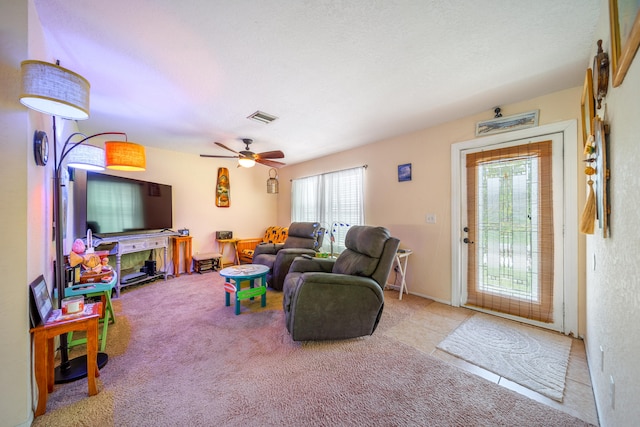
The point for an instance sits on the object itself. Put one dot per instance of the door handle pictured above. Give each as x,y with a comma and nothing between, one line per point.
466,240
466,229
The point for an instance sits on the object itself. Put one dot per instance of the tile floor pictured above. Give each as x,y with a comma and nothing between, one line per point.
437,320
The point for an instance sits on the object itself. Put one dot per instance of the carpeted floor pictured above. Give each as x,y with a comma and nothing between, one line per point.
178,356
530,356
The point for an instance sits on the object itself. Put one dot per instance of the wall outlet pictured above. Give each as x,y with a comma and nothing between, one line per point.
431,218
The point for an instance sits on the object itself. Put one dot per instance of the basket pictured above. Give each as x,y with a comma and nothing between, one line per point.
93,277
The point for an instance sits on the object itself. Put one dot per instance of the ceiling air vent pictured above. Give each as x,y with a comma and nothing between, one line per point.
262,117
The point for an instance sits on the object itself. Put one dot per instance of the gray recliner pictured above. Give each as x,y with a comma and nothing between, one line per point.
303,238
328,299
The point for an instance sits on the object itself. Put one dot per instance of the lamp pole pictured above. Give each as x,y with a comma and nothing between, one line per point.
75,369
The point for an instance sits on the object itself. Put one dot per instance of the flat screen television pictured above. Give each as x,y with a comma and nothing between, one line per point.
123,205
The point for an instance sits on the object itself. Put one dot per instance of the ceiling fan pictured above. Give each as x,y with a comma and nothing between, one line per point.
248,158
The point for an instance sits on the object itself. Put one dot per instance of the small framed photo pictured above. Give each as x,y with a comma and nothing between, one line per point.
404,172
40,302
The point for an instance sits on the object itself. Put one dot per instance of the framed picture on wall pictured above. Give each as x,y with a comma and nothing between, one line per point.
506,124
587,105
404,172
625,36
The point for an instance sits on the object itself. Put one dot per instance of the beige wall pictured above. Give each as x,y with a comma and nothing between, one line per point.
402,206
14,352
193,181
613,287
23,224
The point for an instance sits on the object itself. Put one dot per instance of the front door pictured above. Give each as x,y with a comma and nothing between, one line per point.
513,229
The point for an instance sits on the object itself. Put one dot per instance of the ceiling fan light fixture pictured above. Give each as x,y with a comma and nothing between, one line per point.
246,162
262,117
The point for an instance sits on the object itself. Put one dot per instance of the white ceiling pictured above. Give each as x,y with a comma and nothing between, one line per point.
180,75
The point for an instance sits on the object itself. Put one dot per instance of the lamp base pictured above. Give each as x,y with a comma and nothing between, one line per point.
77,369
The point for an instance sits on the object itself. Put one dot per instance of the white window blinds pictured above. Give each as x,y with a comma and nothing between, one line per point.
335,199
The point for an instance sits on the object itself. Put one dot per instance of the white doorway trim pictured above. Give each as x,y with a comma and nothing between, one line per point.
569,129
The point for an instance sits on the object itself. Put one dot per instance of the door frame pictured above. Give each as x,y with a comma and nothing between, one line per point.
569,130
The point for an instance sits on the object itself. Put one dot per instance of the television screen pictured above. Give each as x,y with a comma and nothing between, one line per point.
124,205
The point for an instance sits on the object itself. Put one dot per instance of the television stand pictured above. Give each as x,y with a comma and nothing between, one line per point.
130,243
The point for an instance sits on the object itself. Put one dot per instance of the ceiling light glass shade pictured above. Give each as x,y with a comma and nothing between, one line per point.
86,157
125,156
54,90
246,162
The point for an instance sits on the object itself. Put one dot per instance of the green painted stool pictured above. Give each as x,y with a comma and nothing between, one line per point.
88,290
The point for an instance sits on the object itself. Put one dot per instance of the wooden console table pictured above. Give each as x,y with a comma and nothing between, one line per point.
177,241
126,244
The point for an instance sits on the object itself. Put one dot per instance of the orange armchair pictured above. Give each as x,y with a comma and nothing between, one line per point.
246,247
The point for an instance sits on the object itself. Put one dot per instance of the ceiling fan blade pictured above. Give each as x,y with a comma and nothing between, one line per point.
271,163
277,154
218,157
225,147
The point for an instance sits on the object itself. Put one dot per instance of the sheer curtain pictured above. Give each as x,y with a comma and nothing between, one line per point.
126,201
335,200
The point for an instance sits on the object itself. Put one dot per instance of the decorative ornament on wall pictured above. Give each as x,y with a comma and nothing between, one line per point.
223,197
600,75
272,182
602,175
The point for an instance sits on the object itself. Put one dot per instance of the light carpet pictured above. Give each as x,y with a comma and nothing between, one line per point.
530,356
178,356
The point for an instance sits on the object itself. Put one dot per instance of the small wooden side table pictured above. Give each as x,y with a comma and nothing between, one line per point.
177,241
234,249
44,350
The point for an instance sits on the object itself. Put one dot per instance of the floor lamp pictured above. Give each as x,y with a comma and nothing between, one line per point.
51,89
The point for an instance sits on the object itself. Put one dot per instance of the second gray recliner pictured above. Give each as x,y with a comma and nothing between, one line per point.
303,238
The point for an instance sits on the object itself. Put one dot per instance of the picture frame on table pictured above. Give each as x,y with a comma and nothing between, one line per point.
40,302
506,124
624,16
404,172
587,106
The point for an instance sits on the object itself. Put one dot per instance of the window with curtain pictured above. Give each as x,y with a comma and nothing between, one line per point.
334,199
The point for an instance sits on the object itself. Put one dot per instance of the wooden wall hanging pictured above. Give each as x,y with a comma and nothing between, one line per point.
223,197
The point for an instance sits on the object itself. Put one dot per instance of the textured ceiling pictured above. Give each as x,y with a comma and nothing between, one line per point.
338,74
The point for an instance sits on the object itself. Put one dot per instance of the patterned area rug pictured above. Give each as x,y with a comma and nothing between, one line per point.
532,357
